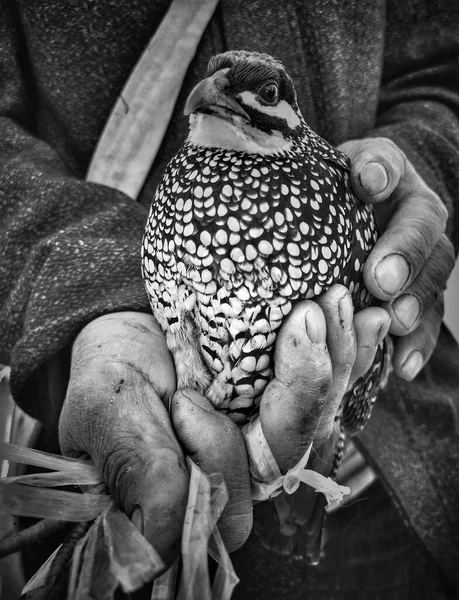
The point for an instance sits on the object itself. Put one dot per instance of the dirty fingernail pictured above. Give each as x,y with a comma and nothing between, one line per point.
374,178
315,327
407,309
412,365
392,273
137,519
346,312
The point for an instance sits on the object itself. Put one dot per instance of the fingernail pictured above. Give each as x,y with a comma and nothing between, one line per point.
383,329
315,328
374,178
392,273
407,309
198,399
412,365
137,519
346,312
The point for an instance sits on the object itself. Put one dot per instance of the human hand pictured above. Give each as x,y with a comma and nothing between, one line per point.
117,412
411,262
321,349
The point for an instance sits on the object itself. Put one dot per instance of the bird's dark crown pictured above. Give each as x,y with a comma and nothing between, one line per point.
250,70
255,73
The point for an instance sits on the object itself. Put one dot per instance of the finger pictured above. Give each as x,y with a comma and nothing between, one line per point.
215,443
371,327
338,310
293,401
377,165
113,414
413,231
413,219
408,309
414,350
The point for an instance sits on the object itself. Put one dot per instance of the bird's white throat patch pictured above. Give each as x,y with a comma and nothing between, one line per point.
234,133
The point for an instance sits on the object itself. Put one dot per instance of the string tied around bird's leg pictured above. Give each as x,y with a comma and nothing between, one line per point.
267,480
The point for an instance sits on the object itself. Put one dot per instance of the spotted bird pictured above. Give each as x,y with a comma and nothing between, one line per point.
253,214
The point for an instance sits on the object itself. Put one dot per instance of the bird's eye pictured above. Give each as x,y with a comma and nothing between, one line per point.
269,93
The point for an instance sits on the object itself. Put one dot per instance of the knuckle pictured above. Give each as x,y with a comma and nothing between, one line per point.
426,292
310,387
420,238
391,152
413,242
438,309
437,208
446,249
121,466
427,289
166,469
432,278
391,155
381,145
444,215
116,464
429,330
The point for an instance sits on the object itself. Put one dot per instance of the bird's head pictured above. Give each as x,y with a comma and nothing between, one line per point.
247,102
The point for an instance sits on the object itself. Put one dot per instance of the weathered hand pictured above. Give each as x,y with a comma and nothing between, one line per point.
320,350
410,264
117,410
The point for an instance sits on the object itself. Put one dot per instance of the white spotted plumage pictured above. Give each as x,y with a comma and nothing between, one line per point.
234,238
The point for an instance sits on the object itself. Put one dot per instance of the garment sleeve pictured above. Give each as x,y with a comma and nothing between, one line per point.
411,439
419,100
70,250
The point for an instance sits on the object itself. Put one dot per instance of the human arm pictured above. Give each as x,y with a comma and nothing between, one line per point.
416,142
411,440
69,248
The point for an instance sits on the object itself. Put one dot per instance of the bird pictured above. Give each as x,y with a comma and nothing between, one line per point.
253,214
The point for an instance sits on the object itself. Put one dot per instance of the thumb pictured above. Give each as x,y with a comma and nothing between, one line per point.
133,446
377,165
113,413
294,400
215,443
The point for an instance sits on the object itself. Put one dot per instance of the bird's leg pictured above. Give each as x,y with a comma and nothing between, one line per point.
182,339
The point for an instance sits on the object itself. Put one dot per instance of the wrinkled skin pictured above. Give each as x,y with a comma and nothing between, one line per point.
411,262
117,408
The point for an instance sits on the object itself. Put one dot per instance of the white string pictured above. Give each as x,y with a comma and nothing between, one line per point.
266,478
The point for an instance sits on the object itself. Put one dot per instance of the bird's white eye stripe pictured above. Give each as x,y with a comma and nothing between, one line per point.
282,110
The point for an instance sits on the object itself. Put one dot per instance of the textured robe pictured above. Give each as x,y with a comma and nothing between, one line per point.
70,250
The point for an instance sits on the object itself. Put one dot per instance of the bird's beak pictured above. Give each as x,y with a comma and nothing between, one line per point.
210,97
